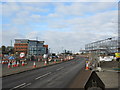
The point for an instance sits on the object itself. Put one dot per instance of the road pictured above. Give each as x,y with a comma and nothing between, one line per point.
55,76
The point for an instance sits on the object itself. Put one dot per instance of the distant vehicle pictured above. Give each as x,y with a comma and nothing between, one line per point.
106,58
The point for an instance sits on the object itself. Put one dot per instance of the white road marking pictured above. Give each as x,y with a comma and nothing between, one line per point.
26,85
43,75
111,70
59,68
18,86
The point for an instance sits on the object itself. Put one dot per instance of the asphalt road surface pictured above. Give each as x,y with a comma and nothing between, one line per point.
55,76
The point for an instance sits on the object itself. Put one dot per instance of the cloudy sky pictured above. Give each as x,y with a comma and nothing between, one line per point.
62,25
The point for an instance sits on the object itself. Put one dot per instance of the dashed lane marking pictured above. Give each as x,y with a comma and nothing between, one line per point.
26,85
43,76
18,86
59,68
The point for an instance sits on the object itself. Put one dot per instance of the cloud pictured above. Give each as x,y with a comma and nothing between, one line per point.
11,34
67,26
81,8
9,9
60,0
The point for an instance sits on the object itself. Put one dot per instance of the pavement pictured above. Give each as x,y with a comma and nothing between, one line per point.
54,76
109,76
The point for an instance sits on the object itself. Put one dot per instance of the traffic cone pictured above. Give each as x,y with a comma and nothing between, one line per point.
12,64
17,64
9,65
61,59
34,65
87,66
3,62
54,60
45,63
38,60
23,63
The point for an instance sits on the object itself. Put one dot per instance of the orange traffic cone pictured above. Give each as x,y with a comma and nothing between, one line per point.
9,65
87,66
23,63
34,65
45,63
17,64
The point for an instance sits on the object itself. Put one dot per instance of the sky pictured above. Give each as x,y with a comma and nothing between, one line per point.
62,25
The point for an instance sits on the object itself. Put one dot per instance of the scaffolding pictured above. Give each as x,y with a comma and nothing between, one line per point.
107,46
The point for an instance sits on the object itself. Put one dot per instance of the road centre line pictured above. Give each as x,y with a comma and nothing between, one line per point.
43,75
18,86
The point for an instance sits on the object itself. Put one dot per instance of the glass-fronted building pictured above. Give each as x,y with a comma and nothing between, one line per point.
30,47
36,47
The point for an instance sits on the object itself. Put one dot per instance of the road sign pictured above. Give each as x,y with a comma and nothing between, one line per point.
45,56
22,54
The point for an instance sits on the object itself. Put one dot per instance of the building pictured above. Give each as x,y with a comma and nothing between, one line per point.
30,47
106,46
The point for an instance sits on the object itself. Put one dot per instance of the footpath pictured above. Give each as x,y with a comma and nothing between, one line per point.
110,75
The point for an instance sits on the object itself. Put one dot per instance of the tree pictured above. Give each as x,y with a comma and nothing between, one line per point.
10,50
3,49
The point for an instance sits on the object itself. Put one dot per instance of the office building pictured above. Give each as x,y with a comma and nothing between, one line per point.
30,47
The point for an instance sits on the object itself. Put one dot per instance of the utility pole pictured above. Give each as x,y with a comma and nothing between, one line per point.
37,38
11,43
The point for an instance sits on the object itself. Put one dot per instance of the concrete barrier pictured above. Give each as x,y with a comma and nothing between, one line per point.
87,80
